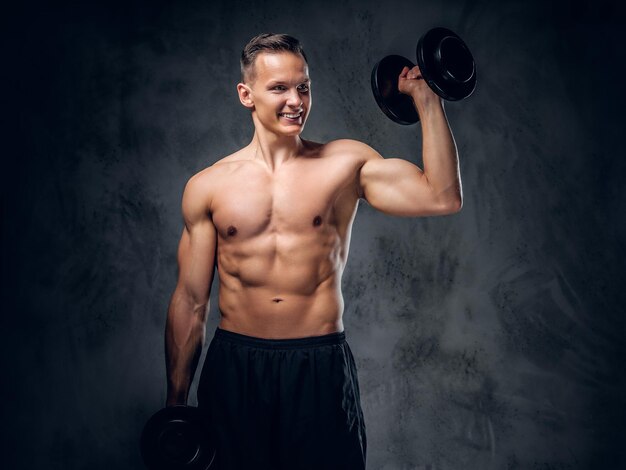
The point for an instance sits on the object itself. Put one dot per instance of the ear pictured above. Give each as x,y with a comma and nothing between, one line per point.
245,95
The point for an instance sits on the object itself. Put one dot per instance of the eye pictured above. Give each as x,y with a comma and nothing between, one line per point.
278,87
304,88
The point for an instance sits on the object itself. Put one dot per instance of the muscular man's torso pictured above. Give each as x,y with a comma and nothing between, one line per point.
283,239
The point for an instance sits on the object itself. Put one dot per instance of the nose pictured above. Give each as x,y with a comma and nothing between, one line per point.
294,100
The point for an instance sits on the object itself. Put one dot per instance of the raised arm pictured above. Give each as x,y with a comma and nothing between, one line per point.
186,317
398,187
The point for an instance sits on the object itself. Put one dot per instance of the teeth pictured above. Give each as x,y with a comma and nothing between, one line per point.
292,116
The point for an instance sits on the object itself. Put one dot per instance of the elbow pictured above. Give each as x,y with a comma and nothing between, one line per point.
456,206
188,304
452,206
449,201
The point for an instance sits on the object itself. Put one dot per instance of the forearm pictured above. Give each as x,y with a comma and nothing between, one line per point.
184,338
439,153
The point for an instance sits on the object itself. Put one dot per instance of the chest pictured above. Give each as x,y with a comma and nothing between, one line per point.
299,199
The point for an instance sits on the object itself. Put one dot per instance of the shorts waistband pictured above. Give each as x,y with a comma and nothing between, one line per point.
286,343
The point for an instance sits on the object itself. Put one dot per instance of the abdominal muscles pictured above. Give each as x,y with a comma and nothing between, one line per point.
282,283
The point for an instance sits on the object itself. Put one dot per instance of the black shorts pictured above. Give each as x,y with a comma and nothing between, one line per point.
283,404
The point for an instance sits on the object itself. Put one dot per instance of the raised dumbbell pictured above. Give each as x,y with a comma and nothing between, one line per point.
446,64
177,438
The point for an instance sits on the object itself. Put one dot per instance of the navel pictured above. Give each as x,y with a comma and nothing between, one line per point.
232,231
317,221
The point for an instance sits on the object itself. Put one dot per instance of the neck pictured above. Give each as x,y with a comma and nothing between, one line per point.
273,150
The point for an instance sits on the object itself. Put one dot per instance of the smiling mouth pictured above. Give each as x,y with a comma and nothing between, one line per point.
291,115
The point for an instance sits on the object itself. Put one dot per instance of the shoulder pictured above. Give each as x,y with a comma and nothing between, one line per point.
357,157
367,161
199,189
206,179
354,149
359,153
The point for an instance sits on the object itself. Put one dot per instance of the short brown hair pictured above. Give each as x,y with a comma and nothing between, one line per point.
266,42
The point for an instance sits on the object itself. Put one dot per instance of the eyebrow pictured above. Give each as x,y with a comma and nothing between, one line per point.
276,82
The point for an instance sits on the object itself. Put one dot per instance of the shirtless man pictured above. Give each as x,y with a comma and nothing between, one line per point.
279,381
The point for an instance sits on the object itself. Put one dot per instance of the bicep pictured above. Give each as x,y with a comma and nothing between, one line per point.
196,260
197,247
397,187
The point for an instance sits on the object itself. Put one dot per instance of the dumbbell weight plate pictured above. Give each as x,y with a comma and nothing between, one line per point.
397,106
176,438
446,64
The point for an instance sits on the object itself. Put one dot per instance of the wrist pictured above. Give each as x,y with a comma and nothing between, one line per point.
173,401
426,105
176,396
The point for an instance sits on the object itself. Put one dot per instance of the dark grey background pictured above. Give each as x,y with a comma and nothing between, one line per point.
488,339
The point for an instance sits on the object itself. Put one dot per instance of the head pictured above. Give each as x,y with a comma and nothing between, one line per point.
275,81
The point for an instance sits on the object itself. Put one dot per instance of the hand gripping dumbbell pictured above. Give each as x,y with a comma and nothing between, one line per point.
445,63
177,438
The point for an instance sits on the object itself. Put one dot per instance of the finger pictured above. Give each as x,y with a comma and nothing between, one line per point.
415,73
404,72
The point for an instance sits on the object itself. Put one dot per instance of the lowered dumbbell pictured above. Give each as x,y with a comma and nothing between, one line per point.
445,63
177,438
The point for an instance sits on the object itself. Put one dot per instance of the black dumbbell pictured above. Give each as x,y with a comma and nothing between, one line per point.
177,438
446,64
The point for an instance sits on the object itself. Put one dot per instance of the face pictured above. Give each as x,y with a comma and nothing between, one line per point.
280,95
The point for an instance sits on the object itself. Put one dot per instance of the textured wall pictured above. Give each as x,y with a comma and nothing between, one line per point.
488,339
